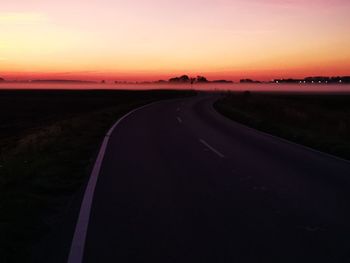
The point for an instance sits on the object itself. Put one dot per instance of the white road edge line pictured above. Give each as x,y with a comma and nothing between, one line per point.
212,148
76,253
179,119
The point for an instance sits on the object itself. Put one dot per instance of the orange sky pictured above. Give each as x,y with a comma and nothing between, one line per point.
148,40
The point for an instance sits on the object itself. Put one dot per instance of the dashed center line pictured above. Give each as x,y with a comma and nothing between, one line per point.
179,119
212,148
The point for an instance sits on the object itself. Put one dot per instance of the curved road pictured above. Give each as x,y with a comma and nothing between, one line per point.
181,183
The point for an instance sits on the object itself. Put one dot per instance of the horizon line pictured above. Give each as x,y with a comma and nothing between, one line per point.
160,80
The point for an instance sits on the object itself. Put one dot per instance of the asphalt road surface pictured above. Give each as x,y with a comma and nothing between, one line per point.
181,183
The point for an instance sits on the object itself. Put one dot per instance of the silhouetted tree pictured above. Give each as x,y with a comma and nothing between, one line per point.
2,80
201,79
182,79
346,79
249,81
222,81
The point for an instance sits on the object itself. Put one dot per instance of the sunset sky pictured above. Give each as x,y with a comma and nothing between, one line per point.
154,39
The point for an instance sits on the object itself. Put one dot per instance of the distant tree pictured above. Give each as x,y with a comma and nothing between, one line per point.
103,81
346,79
222,81
174,80
201,79
192,81
182,79
246,81
2,80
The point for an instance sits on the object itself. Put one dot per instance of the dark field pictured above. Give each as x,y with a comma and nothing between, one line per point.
49,141
48,144
318,121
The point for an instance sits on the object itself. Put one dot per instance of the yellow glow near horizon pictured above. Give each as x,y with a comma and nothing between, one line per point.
154,39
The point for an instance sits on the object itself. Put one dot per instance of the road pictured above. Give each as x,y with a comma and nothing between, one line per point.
181,183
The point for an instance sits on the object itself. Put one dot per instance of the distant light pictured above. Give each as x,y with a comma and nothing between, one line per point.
312,82
326,81
304,81
277,81
319,82
300,81
340,81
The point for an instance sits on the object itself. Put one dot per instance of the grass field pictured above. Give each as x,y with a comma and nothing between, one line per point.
48,144
320,121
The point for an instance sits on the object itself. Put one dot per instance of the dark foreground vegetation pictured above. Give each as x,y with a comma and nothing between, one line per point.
318,121
48,144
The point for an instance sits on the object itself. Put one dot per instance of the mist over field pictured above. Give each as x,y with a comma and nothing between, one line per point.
333,88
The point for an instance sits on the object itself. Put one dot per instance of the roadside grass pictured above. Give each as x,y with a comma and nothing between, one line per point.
320,121
48,147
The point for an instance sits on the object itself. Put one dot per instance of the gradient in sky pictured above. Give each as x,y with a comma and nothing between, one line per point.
145,40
